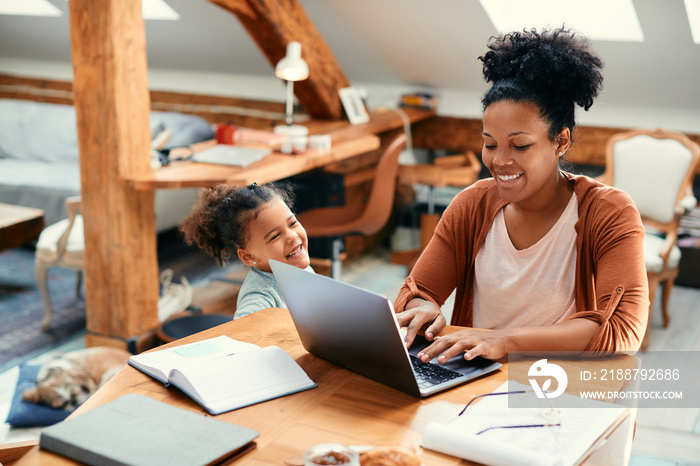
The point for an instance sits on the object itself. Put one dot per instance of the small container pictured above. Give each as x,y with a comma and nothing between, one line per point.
320,142
225,134
331,453
297,138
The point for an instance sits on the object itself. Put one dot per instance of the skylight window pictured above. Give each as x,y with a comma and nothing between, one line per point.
692,9
28,8
618,23
158,9
151,9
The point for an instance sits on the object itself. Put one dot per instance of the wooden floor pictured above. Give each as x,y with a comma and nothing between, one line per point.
664,437
672,435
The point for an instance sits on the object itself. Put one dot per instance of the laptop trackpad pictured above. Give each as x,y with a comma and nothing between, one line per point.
457,363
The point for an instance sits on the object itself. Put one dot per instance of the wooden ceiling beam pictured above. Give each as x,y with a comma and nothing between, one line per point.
272,24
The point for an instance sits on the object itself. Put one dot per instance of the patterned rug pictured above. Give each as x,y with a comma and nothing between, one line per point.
21,306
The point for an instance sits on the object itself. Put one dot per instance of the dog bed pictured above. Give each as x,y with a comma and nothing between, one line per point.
24,414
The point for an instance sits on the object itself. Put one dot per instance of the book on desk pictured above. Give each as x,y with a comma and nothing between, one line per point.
532,436
137,430
223,374
225,154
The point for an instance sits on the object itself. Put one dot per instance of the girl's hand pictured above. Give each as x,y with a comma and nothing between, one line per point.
488,344
418,313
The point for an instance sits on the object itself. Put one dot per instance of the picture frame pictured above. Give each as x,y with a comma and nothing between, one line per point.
353,105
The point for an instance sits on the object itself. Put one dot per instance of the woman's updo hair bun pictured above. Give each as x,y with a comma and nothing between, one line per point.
554,69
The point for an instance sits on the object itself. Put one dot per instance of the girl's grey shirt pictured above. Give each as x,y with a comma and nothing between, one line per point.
259,291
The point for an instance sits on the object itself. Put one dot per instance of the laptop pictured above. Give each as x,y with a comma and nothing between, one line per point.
357,329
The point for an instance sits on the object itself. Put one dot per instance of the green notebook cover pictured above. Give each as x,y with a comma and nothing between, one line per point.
137,430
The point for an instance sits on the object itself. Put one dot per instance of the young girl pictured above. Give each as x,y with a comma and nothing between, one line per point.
547,260
256,224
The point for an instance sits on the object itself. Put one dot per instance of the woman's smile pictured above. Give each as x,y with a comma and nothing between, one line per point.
517,143
509,178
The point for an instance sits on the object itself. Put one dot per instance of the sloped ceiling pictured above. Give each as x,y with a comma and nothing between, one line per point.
426,43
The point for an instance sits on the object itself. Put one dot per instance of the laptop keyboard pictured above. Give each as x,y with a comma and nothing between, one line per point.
429,375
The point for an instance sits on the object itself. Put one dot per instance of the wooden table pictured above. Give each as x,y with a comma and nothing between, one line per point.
273,167
19,225
345,407
347,141
121,308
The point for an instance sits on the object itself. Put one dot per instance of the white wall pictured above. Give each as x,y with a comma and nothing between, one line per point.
453,102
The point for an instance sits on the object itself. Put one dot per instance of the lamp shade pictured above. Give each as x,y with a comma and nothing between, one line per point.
292,67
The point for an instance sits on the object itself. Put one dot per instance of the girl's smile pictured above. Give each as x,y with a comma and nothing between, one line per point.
275,233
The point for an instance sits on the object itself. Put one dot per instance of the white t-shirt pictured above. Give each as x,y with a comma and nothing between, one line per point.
528,287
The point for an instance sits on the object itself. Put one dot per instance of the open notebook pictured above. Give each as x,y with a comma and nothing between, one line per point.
223,374
495,430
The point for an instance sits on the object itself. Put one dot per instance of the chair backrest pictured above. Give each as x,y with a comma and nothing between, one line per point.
381,198
655,167
74,221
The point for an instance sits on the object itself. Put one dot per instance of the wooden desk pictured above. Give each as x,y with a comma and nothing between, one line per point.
121,308
347,141
19,225
345,407
272,167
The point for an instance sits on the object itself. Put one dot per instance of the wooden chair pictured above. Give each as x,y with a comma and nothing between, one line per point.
458,171
60,245
361,218
655,167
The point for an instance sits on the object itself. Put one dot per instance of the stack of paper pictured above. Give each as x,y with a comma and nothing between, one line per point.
539,446
231,155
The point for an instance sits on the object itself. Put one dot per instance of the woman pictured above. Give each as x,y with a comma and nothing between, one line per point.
546,259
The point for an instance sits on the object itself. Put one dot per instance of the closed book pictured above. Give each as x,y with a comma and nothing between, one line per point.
223,374
137,430
225,154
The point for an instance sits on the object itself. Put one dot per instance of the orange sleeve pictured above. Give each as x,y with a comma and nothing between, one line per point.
618,296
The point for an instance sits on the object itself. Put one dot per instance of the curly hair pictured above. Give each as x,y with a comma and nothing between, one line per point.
218,222
553,69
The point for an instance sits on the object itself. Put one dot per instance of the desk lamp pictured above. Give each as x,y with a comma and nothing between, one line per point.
292,68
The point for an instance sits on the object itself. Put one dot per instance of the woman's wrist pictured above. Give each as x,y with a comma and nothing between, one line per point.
423,304
565,336
511,338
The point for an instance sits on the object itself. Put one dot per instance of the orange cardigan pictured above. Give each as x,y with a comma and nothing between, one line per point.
611,282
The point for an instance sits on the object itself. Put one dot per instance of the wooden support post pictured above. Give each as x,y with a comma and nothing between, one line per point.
108,49
273,24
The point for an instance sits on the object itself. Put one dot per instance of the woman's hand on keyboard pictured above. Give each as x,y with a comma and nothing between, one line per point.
418,314
488,344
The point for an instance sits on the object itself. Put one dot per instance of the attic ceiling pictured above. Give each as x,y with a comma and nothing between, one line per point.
430,44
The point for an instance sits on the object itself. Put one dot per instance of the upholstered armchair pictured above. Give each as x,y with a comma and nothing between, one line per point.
656,168
60,245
